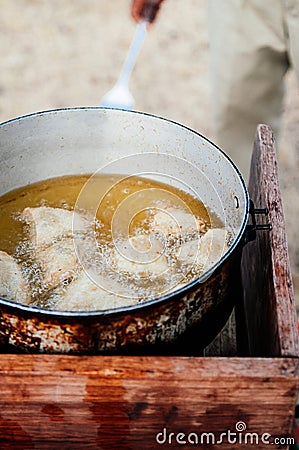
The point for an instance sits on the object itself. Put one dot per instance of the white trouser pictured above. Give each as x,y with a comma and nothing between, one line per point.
252,44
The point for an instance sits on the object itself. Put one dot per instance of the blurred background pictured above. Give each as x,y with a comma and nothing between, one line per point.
69,53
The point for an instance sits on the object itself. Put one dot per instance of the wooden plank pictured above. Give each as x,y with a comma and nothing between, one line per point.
225,343
56,401
268,293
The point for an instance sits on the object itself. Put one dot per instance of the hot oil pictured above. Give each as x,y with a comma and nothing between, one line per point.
107,192
56,192
122,206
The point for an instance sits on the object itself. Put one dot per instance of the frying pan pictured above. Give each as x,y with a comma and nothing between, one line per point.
85,140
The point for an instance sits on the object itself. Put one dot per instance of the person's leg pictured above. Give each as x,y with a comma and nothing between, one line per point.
248,63
292,25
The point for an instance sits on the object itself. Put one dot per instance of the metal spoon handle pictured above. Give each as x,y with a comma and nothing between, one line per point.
133,53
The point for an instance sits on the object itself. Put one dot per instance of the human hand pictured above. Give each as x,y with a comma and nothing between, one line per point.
145,10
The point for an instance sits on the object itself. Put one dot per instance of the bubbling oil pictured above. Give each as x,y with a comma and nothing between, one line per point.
117,206
107,191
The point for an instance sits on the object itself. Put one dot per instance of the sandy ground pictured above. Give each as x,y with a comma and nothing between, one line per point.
69,53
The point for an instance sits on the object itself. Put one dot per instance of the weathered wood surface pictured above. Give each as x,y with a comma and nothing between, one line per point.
225,343
52,401
268,293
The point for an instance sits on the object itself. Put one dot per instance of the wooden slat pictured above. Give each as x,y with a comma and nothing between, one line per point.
52,401
268,294
225,343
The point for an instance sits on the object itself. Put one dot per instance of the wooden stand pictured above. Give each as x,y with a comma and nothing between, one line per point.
145,402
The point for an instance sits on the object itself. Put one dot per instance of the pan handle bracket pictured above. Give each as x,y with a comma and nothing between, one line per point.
251,229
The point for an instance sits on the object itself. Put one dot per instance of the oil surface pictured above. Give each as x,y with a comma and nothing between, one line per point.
107,192
118,209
